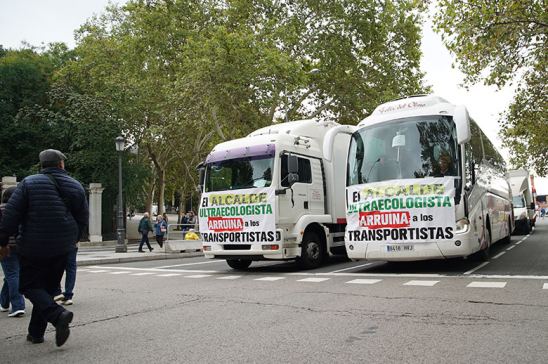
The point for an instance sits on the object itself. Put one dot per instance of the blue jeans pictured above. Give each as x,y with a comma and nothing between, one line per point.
10,289
70,276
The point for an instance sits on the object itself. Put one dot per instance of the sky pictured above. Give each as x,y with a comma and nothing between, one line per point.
40,22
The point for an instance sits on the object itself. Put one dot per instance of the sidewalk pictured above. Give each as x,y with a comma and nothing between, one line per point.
104,253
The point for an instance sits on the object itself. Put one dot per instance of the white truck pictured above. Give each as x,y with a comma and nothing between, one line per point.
523,200
277,194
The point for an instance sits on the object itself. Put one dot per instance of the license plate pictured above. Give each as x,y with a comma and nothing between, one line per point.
400,248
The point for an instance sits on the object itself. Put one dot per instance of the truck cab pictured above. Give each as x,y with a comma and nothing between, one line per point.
277,194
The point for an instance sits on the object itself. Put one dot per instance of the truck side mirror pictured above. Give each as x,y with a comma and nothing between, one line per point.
292,164
201,179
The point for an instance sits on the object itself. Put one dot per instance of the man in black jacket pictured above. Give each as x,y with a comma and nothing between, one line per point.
49,211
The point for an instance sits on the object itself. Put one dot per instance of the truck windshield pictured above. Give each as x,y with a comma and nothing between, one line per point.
518,201
240,173
406,148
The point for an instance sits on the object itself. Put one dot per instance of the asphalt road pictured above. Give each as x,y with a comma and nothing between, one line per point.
200,311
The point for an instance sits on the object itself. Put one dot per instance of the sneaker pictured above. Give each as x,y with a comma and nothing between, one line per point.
62,330
151,249
67,302
4,309
141,251
59,297
35,340
17,313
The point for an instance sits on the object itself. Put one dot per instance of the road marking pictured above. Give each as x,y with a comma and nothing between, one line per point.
169,275
357,266
118,273
421,283
364,281
199,276
487,285
510,247
142,274
545,286
269,279
230,277
188,264
475,269
314,280
499,255
159,270
97,271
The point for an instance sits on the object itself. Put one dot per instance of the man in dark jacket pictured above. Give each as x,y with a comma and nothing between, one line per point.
51,212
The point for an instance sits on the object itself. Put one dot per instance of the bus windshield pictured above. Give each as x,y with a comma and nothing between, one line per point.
406,148
240,173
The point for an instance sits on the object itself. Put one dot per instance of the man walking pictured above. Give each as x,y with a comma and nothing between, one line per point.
144,227
52,212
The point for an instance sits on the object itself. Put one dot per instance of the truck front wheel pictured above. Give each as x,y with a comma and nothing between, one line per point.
312,251
238,264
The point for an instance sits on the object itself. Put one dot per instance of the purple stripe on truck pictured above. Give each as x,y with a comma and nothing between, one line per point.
266,150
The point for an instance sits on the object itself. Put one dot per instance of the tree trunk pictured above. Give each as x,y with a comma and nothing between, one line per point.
161,191
150,198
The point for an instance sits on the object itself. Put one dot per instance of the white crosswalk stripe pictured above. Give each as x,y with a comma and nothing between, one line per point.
364,281
269,279
545,286
229,277
118,272
97,271
314,280
421,283
142,274
199,276
169,275
487,285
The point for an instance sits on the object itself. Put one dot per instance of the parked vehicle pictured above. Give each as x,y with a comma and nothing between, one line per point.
277,194
424,182
523,199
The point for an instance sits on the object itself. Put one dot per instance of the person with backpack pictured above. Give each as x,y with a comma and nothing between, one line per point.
144,227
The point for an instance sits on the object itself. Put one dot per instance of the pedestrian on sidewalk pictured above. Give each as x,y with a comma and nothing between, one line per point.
144,227
70,279
10,266
52,211
160,229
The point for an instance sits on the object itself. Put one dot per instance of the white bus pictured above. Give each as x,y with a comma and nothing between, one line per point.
424,182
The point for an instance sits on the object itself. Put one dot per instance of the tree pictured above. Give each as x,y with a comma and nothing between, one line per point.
183,75
500,42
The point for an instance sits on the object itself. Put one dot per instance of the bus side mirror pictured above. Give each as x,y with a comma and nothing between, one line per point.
460,116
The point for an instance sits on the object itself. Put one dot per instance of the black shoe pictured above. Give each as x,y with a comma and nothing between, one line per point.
62,330
151,249
35,340
141,251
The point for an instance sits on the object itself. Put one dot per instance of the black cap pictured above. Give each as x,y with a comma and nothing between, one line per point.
51,156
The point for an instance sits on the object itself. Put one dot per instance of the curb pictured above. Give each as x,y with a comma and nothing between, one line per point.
138,259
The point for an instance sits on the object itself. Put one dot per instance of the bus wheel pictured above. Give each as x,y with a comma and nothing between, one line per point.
312,251
238,264
483,254
507,239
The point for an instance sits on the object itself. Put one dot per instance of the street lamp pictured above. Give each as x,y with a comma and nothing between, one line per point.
121,246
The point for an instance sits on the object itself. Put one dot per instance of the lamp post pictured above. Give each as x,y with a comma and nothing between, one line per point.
121,246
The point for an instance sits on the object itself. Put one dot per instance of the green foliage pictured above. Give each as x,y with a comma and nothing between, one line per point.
501,42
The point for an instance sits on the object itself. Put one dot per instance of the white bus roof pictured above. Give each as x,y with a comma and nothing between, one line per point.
409,107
